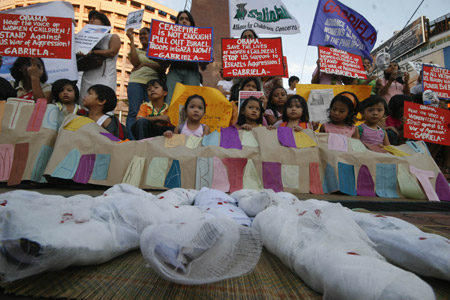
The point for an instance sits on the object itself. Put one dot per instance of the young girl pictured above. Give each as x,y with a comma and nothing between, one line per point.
250,115
194,109
30,79
341,114
100,100
394,121
66,94
373,111
275,106
295,114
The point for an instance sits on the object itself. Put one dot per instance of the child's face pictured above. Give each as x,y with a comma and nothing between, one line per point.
294,111
195,110
372,115
91,99
67,94
156,92
252,111
184,20
338,112
279,97
250,86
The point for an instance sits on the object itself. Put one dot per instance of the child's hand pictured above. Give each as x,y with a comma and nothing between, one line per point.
246,127
168,134
34,70
264,101
297,128
164,118
130,34
271,127
315,125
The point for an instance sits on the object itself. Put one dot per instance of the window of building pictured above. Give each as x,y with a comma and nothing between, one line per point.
150,8
123,2
76,8
135,4
87,9
173,18
162,13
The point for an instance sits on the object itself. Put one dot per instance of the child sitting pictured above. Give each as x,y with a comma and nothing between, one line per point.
394,121
194,109
152,119
66,95
100,100
275,106
295,114
373,110
341,114
250,115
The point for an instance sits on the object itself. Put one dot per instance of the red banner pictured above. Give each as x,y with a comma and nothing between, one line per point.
252,57
427,123
340,62
436,79
35,36
179,42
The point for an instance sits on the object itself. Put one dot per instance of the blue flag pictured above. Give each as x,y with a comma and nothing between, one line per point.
338,25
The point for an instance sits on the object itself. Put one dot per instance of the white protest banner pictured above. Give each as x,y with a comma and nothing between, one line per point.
340,62
179,42
262,16
134,19
57,68
417,65
89,36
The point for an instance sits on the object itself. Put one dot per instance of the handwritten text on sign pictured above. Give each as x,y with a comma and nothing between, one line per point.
252,57
437,80
35,36
179,42
340,62
427,123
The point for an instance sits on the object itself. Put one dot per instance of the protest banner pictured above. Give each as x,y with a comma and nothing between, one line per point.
338,25
252,57
340,62
134,19
89,36
262,16
180,42
56,67
436,79
427,123
285,66
35,36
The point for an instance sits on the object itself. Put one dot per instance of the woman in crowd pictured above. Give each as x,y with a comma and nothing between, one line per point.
108,47
144,70
392,84
30,79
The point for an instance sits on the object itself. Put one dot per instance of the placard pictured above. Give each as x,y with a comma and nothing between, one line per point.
247,94
340,62
89,36
427,123
180,42
35,36
252,57
134,19
436,79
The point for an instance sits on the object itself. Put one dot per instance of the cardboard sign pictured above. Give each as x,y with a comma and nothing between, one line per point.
89,36
35,36
134,19
340,62
437,80
180,42
427,123
252,57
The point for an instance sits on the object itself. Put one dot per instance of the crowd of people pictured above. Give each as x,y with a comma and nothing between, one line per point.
152,83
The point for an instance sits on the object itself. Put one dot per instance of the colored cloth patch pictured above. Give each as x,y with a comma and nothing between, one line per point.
285,137
133,174
330,183
101,167
6,160
290,176
77,123
337,142
68,166
175,141
41,163
346,179
205,172
395,151
302,140
156,174
220,179
211,139
19,163
442,188
229,138
173,179
315,184
235,170
386,185
35,122
193,141
409,187
251,179
85,168
272,176
423,177
357,145
111,136
413,145
365,185
52,118
248,139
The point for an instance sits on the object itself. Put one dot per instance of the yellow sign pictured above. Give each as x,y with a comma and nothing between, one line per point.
218,108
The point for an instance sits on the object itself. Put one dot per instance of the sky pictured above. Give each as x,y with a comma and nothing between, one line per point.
386,16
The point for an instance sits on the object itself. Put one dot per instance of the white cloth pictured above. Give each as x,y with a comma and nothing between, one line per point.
406,245
331,253
106,74
226,85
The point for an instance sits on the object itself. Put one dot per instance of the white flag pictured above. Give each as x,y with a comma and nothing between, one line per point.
263,16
